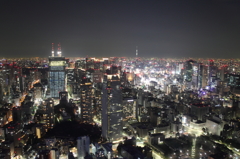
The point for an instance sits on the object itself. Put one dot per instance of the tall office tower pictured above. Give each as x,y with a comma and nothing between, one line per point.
22,83
86,96
38,92
200,75
48,116
83,143
57,74
222,73
71,81
189,70
97,113
204,76
195,75
180,68
212,74
112,110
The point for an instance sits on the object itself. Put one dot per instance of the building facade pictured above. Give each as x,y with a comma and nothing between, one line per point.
86,97
83,143
112,109
56,75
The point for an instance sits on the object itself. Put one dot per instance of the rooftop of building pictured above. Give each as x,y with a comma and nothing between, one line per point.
133,151
157,134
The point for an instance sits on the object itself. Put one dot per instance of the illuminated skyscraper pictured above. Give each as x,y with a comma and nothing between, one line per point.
212,75
189,70
86,96
57,74
112,109
48,116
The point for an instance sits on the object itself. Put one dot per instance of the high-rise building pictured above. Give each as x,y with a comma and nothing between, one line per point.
195,76
56,75
86,93
112,110
200,75
204,72
38,91
189,70
48,116
212,74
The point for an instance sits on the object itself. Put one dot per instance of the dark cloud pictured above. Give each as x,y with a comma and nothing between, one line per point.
170,28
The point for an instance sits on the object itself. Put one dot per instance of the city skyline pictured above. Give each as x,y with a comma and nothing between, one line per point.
119,108
114,28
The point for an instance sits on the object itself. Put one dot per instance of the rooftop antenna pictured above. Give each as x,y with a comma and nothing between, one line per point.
136,51
59,52
52,49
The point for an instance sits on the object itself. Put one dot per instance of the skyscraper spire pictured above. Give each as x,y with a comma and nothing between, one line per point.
52,49
59,50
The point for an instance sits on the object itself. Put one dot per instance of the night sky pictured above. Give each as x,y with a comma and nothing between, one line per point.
160,28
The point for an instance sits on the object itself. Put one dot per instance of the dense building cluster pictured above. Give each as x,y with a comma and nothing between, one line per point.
119,107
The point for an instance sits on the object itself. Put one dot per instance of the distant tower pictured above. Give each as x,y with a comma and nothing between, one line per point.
52,49
59,52
136,51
